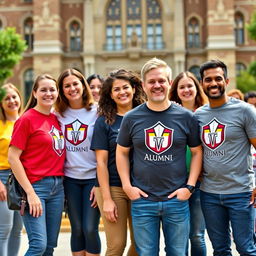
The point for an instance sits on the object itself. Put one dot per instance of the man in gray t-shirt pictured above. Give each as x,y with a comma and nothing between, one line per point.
228,129
158,133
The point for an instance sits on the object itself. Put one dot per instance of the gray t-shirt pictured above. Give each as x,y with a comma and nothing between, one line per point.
159,141
225,133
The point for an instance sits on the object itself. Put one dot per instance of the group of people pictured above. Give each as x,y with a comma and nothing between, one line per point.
152,152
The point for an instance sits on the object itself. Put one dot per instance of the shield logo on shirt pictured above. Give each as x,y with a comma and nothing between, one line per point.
58,141
158,138
213,134
76,132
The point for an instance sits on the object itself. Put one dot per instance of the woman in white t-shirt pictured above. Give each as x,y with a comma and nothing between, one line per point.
77,114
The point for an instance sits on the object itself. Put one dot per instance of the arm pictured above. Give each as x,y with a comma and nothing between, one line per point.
35,206
109,206
3,193
123,167
253,197
195,170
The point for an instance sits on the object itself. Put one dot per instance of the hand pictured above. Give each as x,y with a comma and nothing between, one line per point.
3,192
110,210
253,198
181,194
93,198
35,205
134,193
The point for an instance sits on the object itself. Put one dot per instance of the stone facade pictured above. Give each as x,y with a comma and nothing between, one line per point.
77,33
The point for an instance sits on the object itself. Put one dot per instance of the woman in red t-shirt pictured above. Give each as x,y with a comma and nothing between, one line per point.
36,156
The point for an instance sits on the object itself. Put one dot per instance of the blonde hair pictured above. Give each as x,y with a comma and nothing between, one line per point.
153,64
12,87
236,91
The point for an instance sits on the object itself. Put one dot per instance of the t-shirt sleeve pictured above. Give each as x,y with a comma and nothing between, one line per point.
124,138
100,138
21,133
250,121
194,132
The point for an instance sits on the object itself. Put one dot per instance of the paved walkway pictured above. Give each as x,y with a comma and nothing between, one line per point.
63,248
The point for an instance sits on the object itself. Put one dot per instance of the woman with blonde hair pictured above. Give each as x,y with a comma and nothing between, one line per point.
186,90
10,221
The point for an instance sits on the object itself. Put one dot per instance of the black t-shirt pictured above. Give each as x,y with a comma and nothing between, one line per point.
159,141
104,138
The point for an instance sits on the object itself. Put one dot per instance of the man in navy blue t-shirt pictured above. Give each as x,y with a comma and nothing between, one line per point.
158,132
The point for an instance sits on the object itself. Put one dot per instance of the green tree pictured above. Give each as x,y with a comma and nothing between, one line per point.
11,48
246,82
251,27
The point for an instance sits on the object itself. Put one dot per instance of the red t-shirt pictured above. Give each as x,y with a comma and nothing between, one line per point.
40,138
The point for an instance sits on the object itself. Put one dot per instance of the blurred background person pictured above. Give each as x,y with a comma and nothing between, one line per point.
235,93
77,114
10,221
250,97
186,90
36,155
95,82
122,91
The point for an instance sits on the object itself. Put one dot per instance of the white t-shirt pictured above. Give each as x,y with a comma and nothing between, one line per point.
77,126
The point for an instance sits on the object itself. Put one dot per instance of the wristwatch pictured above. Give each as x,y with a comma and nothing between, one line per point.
190,188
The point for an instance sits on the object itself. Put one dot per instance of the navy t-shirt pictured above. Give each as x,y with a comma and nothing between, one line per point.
159,140
104,138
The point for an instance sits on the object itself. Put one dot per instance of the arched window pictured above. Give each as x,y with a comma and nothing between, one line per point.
193,33
28,33
239,28
75,36
28,79
133,23
196,71
239,68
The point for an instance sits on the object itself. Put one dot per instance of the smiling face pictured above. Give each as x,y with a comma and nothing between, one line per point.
214,83
156,85
95,86
186,89
73,90
46,93
11,102
122,93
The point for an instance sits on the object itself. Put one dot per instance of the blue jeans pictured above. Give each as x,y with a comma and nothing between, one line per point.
146,219
224,210
10,225
197,225
43,231
84,219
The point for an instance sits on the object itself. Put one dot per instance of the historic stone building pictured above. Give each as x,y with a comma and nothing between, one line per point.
97,36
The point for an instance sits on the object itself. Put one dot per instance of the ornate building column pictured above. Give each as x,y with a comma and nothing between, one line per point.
179,38
221,40
47,41
89,41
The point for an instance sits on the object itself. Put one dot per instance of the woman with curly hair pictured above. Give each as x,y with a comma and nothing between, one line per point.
186,90
121,92
77,114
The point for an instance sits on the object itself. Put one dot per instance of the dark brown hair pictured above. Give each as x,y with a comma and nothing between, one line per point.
62,102
107,106
32,101
200,99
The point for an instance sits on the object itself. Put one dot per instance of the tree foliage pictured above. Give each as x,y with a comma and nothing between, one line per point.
246,82
251,27
11,48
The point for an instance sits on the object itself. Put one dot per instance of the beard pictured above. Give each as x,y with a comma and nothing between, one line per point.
216,96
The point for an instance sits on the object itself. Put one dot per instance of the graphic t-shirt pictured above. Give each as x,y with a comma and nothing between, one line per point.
5,137
104,138
77,126
159,141
225,133
40,138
